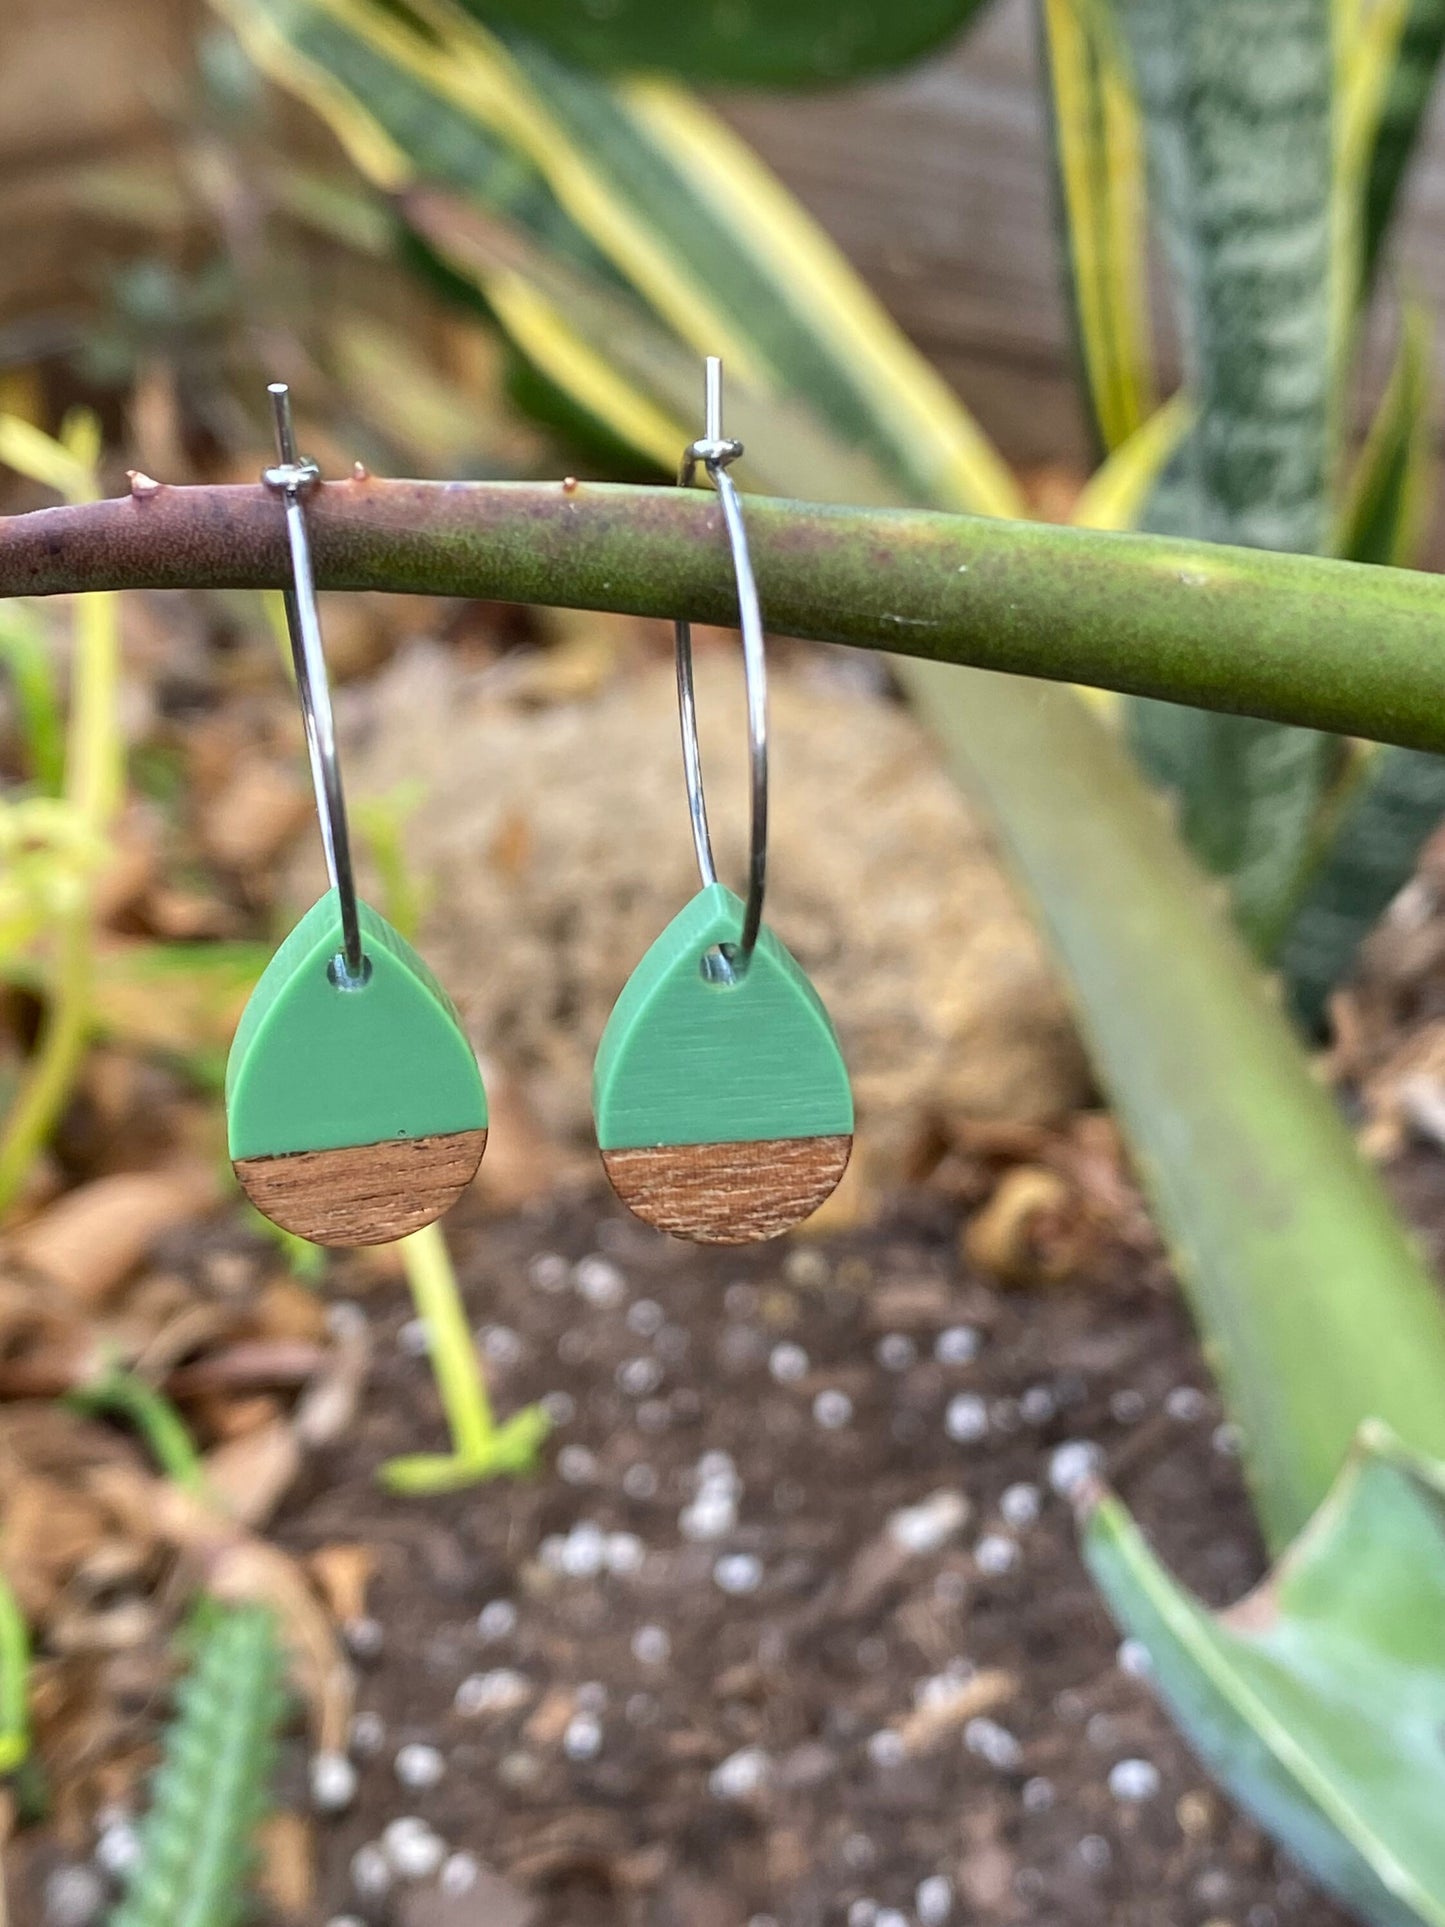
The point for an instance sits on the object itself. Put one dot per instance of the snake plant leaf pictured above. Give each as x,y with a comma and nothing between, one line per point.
1393,805
644,189
1238,106
1120,490
747,43
1319,1700
1388,505
1404,100
1396,798
1317,1308
1098,155
647,384
1249,797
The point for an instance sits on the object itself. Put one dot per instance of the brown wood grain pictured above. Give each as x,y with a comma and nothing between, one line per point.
728,1194
363,1194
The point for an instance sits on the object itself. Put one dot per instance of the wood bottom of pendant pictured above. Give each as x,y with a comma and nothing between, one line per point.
363,1194
728,1194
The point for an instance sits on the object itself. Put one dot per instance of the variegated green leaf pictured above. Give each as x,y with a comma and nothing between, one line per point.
1120,490
1238,102
1385,514
1249,797
639,186
1098,152
1418,49
1319,1700
763,43
1394,802
646,388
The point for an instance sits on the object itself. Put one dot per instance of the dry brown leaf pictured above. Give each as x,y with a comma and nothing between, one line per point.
328,1405
288,1309
237,1566
342,1574
89,1240
185,915
117,1627
46,1529
186,1325
247,825
522,1162
248,1365
131,870
235,1416
250,1475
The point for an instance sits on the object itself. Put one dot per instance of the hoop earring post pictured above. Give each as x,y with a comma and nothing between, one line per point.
715,452
292,479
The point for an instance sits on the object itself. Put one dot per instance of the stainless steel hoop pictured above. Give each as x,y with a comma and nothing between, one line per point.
714,452
292,479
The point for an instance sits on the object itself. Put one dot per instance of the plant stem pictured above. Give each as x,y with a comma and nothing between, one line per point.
481,1449
14,1681
1332,645
93,777
453,1351
123,1395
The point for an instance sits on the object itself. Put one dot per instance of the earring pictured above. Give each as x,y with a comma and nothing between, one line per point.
355,1109
720,1095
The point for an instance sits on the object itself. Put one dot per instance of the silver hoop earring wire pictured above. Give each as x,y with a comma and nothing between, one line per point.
292,479
714,453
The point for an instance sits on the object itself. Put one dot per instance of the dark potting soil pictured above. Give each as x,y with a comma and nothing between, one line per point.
688,1676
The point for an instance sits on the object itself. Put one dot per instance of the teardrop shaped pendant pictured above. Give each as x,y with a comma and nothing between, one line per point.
722,1102
354,1104
355,1109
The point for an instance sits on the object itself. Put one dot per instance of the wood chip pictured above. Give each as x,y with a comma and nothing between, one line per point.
941,1715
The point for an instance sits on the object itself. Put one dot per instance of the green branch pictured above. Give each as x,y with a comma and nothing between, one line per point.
1331,645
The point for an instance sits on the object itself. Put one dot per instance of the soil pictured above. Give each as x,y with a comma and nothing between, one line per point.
794,1722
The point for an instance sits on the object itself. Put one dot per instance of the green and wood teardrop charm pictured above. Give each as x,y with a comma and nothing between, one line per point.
723,1109
355,1112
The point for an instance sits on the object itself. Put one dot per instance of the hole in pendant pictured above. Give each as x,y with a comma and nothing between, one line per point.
342,978
720,965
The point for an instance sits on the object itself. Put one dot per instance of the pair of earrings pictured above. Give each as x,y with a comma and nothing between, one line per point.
355,1106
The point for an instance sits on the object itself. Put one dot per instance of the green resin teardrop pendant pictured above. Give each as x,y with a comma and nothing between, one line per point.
723,1109
355,1113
